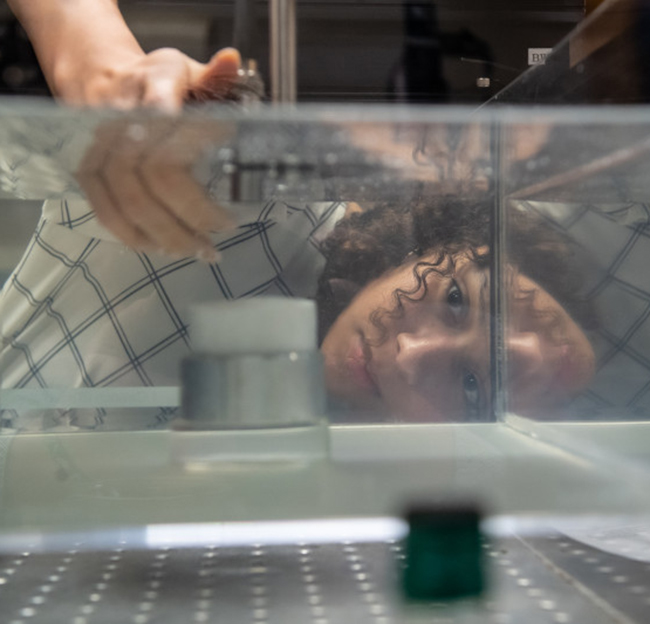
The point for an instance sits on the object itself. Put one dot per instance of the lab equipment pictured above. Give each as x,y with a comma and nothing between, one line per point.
545,413
75,485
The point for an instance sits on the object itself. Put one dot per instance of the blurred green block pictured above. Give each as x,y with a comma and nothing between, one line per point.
443,554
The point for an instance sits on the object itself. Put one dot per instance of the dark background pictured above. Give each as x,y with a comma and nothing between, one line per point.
348,50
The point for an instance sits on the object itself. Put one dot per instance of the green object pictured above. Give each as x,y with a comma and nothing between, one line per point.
443,554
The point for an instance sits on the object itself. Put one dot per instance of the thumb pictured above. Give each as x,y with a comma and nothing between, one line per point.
216,79
226,62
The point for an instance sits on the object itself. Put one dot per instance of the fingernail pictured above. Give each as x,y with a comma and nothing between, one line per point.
208,254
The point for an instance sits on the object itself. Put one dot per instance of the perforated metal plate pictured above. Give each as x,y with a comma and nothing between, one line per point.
545,581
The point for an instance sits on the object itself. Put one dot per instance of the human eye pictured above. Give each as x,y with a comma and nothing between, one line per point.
456,300
472,395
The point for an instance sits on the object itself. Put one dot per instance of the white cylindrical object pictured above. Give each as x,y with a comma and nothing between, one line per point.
254,326
256,377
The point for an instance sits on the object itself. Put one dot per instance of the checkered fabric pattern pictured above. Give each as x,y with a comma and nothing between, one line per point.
81,310
617,238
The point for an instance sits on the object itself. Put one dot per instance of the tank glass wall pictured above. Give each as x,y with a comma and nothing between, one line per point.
463,264
576,277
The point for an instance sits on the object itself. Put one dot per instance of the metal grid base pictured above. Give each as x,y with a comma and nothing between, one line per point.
539,581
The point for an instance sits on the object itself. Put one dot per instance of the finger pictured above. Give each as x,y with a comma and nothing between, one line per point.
159,81
166,170
104,137
216,79
123,93
109,215
166,83
165,94
149,215
112,99
143,210
103,204
185,198
226,62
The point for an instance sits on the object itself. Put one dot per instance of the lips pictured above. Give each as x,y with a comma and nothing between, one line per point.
357,366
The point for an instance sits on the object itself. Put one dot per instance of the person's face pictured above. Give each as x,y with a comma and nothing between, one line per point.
432,361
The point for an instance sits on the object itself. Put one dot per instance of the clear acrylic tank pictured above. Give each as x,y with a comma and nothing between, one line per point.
481,290
474,302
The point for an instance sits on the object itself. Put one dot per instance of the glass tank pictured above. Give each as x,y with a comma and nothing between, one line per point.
471,313
583,191
322,364
495,227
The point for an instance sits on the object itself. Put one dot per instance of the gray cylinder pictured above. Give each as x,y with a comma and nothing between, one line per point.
256,365
252,390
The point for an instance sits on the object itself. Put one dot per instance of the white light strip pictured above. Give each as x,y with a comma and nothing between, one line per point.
276,533
280,533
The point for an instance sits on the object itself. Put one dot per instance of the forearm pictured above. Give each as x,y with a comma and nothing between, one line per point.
75,39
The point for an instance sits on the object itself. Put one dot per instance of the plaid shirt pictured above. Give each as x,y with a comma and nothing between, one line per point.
617,239
81,310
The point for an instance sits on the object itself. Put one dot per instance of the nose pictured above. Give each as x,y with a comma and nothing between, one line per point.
525,358
419,355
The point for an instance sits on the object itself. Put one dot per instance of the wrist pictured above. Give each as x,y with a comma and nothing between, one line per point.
77,41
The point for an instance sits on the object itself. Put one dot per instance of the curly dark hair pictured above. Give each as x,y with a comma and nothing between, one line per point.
366,245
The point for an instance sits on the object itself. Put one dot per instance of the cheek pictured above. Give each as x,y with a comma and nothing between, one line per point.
567,330
536,311
417,404
363,313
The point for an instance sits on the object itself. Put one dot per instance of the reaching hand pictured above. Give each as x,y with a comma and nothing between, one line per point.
137,174
162,79
137,177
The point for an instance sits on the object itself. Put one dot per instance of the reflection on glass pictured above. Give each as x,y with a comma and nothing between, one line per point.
102,294
578,318
388,225
550,360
